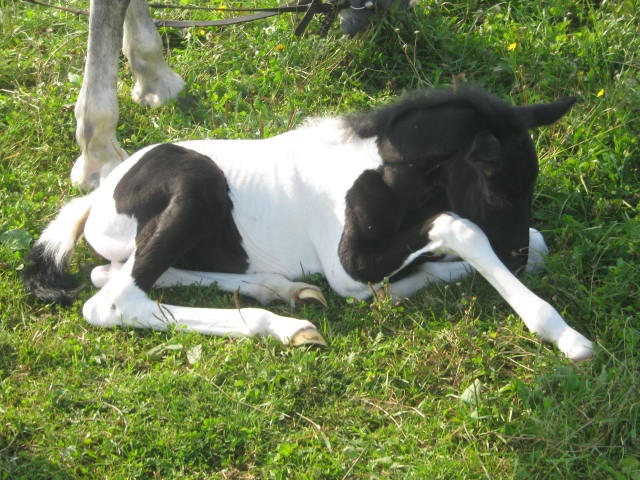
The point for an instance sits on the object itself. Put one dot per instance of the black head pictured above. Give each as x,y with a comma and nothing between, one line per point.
467,152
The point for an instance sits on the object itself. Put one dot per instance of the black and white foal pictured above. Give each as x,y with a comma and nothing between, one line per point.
419,191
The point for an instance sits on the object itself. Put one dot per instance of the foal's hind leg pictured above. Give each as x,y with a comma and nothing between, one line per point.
264,287
155,81
102,274
162,241
121,302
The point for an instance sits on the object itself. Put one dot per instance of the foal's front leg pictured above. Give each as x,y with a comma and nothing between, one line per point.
451,271
447,234
453,235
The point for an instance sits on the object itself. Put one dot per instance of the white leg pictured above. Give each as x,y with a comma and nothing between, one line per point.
155,81
461,237
264,287
96,110
451,271
102,274
428,273
121,303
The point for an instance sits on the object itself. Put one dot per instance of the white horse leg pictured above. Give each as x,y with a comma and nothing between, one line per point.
264,287
155,81
451,234
121,303
96,110
451,271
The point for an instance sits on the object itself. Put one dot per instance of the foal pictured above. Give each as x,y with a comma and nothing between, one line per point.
423,190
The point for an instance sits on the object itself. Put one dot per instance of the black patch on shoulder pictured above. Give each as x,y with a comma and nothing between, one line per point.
384,225
180,199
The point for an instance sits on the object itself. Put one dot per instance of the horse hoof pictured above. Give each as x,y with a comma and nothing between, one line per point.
575,346
308,336
166,85
581,353
308,295
88,174
82,178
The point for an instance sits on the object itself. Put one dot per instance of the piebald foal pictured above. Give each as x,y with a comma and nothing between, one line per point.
422,190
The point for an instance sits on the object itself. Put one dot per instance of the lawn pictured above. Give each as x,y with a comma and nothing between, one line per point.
449,384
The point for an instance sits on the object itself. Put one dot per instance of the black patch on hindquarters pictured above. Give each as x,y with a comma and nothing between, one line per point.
180,199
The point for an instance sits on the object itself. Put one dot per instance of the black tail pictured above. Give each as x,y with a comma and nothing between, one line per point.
45,280
45,274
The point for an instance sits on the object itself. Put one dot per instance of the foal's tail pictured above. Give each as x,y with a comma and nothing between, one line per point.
44,274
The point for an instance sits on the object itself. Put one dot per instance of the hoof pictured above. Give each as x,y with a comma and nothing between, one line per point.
156,92
538,251
308,336
87,175
81,178
575,346
307,295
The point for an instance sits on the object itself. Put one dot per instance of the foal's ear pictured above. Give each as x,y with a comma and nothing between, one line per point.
544,113
485,153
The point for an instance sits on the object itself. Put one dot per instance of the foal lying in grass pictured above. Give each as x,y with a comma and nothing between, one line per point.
423,190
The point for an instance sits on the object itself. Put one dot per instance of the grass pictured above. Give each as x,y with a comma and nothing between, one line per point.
447,385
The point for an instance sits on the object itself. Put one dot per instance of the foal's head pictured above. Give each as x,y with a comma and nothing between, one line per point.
467,152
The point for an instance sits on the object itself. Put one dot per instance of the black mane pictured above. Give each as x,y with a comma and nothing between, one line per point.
495,112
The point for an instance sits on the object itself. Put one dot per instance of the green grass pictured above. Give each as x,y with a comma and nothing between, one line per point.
387,398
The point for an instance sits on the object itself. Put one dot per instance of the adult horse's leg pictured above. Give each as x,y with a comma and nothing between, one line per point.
96,110
97,107
155,81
